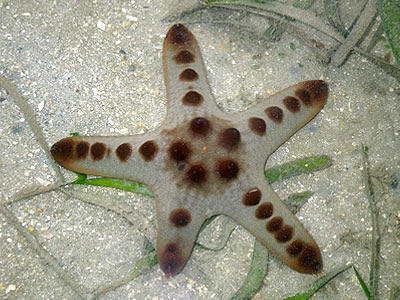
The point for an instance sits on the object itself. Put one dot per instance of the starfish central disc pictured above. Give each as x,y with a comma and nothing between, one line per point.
204,153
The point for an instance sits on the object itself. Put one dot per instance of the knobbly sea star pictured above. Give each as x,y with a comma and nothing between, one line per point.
202,161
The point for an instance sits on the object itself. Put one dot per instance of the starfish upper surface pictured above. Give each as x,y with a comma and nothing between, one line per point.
202,161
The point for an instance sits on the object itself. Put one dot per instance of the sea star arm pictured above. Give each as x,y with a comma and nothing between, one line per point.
188,90
264,215
179,218
111,156
273,121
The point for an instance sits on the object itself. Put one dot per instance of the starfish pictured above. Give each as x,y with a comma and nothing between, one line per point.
202,161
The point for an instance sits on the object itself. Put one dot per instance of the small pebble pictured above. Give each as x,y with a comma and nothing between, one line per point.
101,25
40,106
131,68
131,18
10,288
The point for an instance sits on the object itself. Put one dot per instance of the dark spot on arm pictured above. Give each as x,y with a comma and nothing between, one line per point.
257,125
313,92
170,259
97,151
275,114
295,248
292,104
192,98
318,89
82,150
229,138
304,96
179,151
124,151
252,197
200,126
285,234
228,169
184,57
63,150
180,217
188,75
148,150
179,35
274,224
310,259
264,210
197,174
